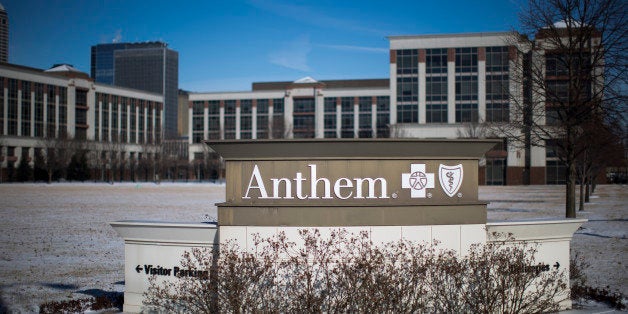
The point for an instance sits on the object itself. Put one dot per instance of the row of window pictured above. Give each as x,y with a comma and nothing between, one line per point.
148,130
303,118
41,91
466,85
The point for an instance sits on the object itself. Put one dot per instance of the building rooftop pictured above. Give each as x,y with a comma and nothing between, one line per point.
329,84
480,34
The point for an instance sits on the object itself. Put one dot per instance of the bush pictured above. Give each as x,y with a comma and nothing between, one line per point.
112,301
347,273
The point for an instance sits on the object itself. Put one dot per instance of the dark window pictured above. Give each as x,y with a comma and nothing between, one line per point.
330,117
262,118
346,117
436,61
304,110
497,59
383,116
407,89
365,117
466,60
198,108
407,61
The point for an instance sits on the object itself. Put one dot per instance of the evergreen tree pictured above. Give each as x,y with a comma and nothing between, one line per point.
24,170
40,173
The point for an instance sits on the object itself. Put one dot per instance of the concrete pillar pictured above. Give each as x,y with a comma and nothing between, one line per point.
190,124
271,112
145,123
222,119
57,115
205,121
288,115
100,120
32,113
137,123
238,123
118,131
45,116
71,111
374,116
393,87
338,117
422,96
5,130
451,85
356,117
254,119
319,115
19,113
109,107
128,122
481,84
153,135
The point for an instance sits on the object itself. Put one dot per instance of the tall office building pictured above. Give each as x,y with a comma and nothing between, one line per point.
149,66
4,35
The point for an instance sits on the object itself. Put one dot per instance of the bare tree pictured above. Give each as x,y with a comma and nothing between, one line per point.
573,63
346,273
51,163
477,129
279,129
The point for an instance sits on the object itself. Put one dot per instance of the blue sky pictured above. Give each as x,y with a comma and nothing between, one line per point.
227,45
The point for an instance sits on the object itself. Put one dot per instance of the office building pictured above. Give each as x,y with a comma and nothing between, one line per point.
63,102
305,108
149,66
4,35
440,86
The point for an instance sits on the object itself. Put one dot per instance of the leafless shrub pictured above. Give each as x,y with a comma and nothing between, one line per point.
348,273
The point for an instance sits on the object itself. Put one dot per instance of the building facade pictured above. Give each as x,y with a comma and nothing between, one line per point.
149,66
305,108
4,35
440,87
63,102
447,86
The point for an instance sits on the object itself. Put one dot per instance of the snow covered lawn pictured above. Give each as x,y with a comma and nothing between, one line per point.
56,242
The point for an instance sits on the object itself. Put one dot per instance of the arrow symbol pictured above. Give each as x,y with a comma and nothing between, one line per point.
138,269
556,265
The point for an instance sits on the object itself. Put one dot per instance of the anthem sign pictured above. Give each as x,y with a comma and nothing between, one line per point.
417,181
356,182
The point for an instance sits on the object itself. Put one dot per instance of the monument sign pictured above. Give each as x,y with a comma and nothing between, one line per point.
393,189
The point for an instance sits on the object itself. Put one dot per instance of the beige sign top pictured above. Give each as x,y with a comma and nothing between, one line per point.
326,174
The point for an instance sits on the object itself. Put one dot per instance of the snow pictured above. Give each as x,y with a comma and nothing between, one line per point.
306,79
56,242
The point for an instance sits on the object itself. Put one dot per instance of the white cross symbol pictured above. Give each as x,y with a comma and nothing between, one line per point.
417,180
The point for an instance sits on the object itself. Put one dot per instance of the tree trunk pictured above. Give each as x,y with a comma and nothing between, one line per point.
582,184
570,195
587,190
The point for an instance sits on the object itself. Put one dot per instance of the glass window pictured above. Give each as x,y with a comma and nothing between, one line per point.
304,109
497,59
198,108
262,118
330,117
466,60
383,116
407,61
436,60
407,89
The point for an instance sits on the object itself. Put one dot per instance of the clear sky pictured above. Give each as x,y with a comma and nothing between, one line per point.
227,45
